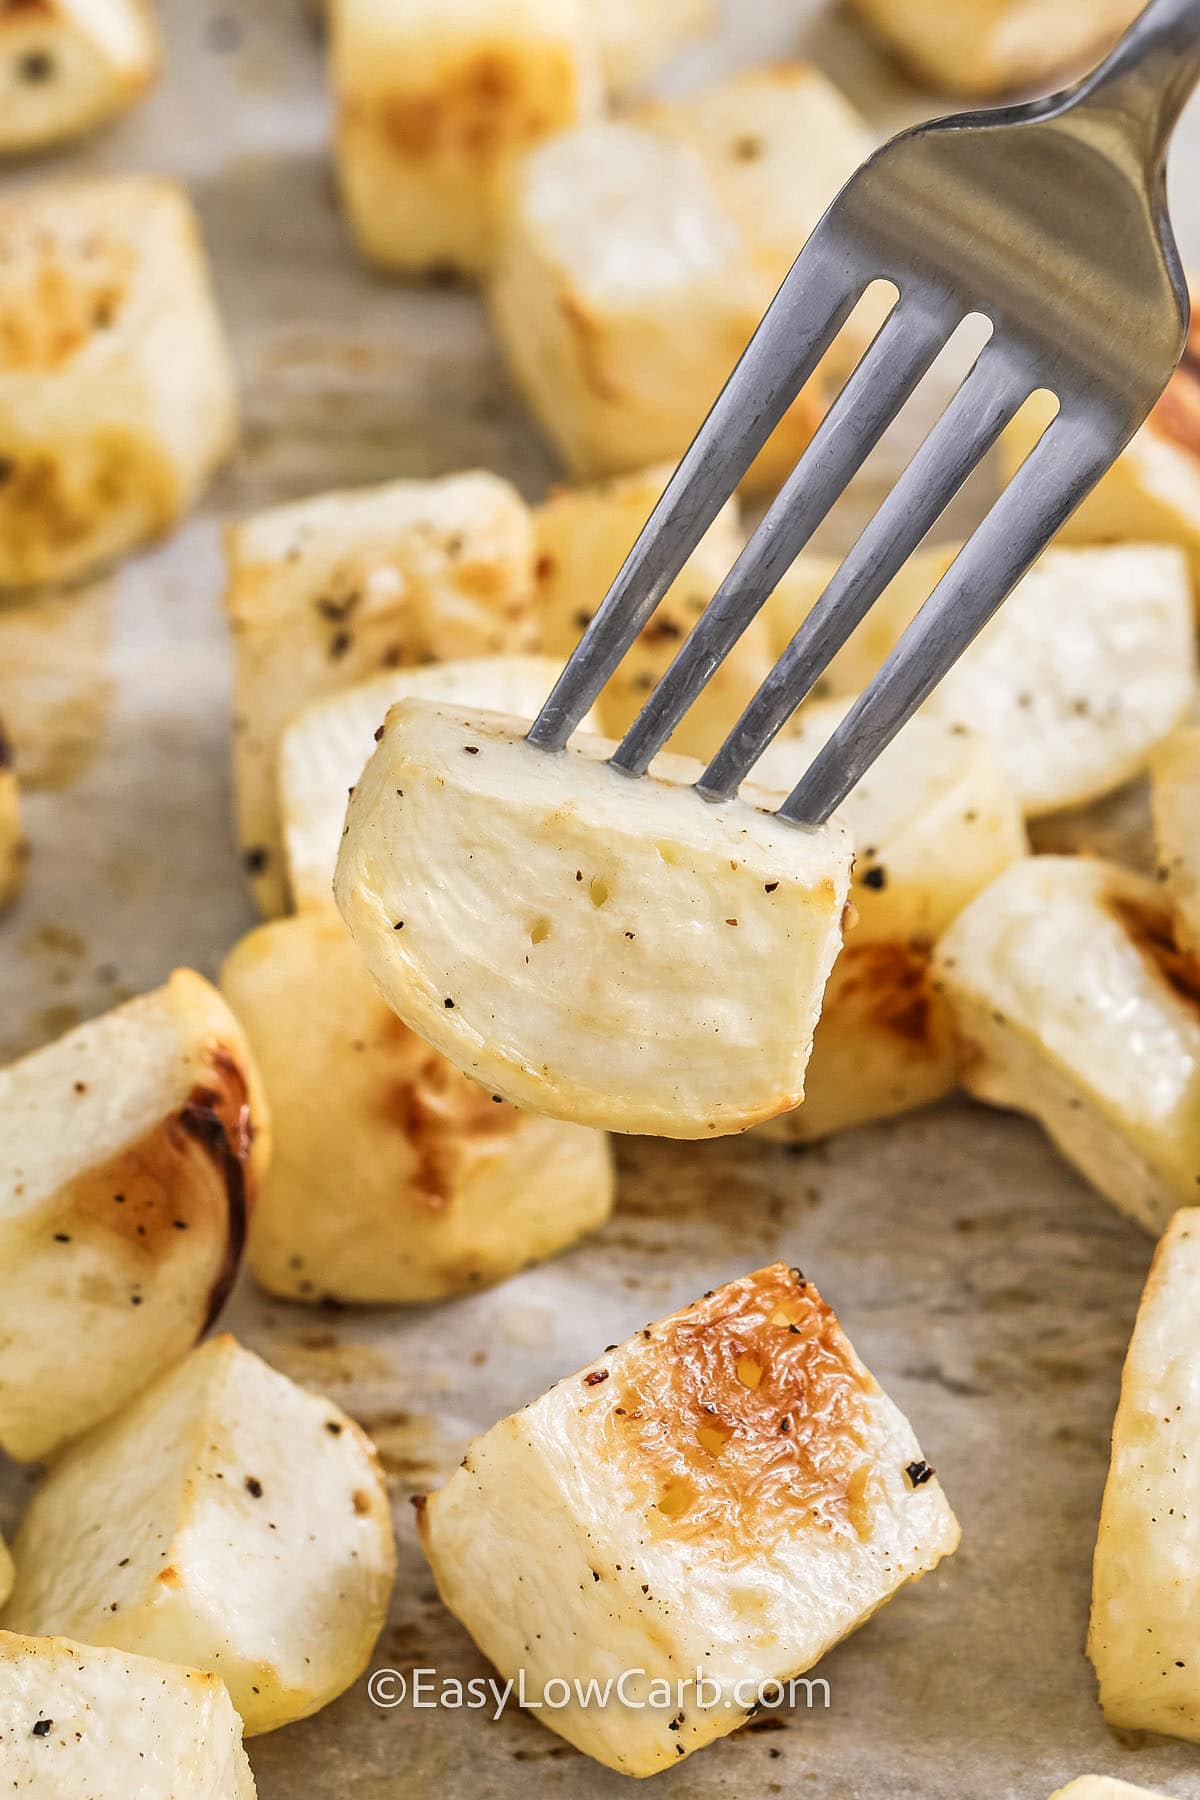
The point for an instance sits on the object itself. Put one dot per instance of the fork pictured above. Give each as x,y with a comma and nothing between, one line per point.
1049,219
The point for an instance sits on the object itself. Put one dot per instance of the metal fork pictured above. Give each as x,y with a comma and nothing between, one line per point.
1050,219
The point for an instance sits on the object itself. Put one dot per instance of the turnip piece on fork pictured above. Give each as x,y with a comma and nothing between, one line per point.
1048,219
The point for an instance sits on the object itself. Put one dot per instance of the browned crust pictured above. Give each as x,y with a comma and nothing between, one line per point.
442,1114
486,579
744,1417
218,1118
20,12
478,111
162,1186
62,290
41,508
887,984
1152,931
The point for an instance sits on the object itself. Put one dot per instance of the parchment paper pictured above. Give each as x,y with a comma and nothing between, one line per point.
989,1290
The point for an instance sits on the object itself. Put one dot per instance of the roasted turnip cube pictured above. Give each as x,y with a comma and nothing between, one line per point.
76,1720
1145,1631
326,591
69,65
227,1520
434,98
396,1178
618,953
727,1495
116,394
1074,1005
130,1151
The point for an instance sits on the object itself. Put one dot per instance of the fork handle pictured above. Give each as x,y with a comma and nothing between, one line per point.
1150,75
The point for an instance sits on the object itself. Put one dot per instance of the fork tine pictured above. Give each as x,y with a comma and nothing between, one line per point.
1066,462
816,299
903,351
990,396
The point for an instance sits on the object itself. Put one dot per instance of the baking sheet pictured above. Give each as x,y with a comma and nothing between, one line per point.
988,1289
